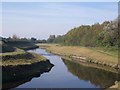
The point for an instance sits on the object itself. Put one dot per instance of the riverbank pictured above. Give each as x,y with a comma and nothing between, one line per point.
13,45
21,66
20,58
13,76
25,45
84,55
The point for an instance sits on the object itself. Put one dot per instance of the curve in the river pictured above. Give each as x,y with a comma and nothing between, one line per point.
66,74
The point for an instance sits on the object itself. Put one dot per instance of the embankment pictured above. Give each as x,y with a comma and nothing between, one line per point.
11,46
83,55
20,58
25,45
20,67
14,76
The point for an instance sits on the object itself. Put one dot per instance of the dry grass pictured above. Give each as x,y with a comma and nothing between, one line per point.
117,86
80,51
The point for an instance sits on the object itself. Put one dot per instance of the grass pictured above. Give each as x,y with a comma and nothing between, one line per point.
5,48
25,60
12,53
93,53
11,46
18,56
22,45
110,51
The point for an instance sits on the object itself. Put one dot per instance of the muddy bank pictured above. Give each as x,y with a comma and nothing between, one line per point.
14,76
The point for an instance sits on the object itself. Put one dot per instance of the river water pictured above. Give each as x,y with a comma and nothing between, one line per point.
67,74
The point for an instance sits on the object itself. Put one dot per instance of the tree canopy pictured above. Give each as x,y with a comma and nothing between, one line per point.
105,34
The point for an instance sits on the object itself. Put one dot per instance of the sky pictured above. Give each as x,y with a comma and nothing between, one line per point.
41,19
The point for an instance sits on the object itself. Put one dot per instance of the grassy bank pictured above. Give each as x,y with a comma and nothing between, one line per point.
14,76
94,55
5,48
25,45
13,53
20,58
11,46
20,66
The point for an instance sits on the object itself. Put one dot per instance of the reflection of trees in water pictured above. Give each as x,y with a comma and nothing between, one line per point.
17,75
98,77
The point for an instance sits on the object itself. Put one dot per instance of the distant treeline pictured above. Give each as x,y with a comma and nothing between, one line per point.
105,34
15,38
12,43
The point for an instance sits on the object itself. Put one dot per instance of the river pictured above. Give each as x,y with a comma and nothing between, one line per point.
67,74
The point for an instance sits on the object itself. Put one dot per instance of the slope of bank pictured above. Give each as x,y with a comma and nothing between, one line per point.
20,58
5,48
13,53
83,54
11,45
14,76
21,67
25,45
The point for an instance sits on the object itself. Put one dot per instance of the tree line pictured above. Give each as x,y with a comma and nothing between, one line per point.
105,34
15,38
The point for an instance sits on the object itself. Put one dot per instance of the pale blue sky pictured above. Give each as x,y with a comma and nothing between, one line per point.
42,19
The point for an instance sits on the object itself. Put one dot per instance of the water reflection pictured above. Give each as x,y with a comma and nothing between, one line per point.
98,77
17,75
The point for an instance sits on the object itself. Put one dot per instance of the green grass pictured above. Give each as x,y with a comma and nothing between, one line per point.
25,60
110,51
5,48
12,53
22,45
11,46
18,56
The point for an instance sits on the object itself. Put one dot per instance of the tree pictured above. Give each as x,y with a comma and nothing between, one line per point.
15,37
33,39
105,34
51,39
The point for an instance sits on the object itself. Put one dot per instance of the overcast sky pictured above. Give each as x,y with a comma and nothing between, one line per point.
41,19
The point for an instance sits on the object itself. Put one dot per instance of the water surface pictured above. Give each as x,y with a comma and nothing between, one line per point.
66,74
